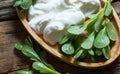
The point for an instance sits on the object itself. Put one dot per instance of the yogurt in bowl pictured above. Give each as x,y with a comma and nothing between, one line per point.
52,17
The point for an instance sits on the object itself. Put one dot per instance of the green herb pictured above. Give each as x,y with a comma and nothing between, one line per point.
98,52
91,52
42,68
65,39
25,72
40,63
91,24
102,39
106,52
76,30
110,31
98,23
88,43
78,54
108,9
23,4
98,33
92,16
68,48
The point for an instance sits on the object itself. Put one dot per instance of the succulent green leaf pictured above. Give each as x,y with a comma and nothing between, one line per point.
91,52
98,23
17,3
98,52
18,46
106,52
108,9
101,39
65,39
110,31
68,48
25,72
88,43
43,68
76,30
26,4
29,51
78,54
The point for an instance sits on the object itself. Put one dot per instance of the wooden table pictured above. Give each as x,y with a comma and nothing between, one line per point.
12,31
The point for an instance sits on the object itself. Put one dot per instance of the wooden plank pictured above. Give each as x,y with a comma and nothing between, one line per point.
10,33
7,11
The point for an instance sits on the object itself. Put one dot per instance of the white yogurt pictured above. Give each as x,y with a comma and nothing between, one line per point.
51,17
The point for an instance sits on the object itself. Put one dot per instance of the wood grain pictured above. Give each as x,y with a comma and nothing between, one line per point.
12,31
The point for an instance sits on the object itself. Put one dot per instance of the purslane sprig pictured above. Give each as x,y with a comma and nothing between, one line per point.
23,4
100,35
40,65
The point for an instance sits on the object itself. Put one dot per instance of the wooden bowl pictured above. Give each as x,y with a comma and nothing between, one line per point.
54,50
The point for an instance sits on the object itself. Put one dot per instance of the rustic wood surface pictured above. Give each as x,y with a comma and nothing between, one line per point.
12,31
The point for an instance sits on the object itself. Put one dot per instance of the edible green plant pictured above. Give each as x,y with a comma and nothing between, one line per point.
23,4
39,65
100,34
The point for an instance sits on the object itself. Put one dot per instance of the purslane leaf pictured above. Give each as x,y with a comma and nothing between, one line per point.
76,30
101,39
108,9
106,52
68,48
98,52
17,3
26,4
25,72
110,31
78,54
88,43
64,39
29,51
43,68
18,46
91,52
98,23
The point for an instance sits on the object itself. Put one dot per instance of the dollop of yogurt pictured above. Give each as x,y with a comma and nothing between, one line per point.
52,17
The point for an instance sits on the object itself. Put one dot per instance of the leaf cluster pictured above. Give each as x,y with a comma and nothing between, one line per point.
33,51
23,4
100,34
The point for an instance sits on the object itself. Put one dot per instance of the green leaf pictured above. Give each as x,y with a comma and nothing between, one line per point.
106,52
110,31
91,22
24,72
102,39
78,54
65,39
98,23
29,51
88,43
108,9
91,52
98,52
68,48
92,16
43,68
17,3
26,4
76,30
18,46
